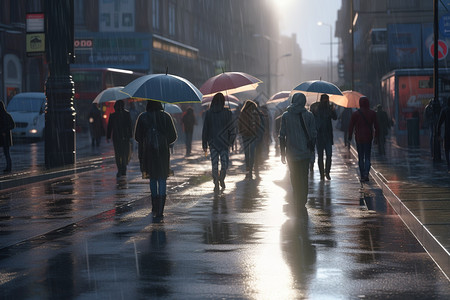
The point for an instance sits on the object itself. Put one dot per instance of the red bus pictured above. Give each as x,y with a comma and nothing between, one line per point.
89,83
406,92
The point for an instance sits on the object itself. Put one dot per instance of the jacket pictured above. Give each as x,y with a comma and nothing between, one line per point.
364,122
155,163
6,125
293,140
218,128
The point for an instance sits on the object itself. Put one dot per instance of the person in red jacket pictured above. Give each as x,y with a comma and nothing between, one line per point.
364,122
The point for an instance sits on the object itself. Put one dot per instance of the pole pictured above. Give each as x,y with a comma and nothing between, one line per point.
331,54
436,141
59,113
352,51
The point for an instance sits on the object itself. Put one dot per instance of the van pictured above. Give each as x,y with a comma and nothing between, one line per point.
28,112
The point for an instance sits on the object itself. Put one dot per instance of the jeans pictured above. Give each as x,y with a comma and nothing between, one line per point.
223,155
364,151
158,183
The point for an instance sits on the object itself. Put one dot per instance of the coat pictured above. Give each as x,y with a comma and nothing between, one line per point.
293,139
6,125
323,116
218,129
364,126
95,122
155,163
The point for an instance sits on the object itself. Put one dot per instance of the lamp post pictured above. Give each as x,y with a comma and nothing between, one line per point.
276,68
266,37
331,48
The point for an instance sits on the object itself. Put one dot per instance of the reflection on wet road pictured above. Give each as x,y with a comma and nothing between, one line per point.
90,236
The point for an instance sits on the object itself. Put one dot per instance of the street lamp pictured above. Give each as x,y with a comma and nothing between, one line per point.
266,37
276,68
331,48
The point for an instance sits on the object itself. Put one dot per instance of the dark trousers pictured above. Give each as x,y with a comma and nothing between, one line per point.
249,151
122,152
327,147
364,151
223,156
298,170
7,157
188,142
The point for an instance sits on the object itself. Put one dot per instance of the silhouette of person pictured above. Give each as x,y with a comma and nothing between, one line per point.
189,121
444,118
6,125
95,125
120,127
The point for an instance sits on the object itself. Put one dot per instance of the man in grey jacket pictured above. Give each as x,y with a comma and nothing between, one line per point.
294,146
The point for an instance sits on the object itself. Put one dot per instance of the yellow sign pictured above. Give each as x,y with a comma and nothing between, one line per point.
35,43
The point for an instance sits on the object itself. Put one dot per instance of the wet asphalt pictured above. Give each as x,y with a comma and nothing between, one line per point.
88,235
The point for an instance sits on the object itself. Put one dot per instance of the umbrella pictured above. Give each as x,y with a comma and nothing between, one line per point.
228,99
110,94
229,83
314,88
279,97
172,108
350,99
165,88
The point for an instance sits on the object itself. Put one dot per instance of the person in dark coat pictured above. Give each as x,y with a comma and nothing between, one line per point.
345,121
324,113
119,126
155,163
383,128
219,134
444,118
364,123
95,125
6,125
249,127
294,147
189,121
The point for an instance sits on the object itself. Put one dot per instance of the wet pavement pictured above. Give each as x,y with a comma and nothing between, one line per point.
87,235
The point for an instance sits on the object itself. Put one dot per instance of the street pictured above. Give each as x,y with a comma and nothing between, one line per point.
91,236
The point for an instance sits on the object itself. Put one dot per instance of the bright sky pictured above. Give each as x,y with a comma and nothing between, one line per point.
301,17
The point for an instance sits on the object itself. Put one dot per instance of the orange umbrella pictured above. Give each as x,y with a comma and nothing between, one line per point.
350,99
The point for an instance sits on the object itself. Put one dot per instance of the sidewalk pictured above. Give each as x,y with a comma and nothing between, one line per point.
419,191
417,188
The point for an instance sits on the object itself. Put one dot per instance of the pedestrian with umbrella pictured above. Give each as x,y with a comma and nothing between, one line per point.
121,130
155,132
218,133
364,123
324,113
297,135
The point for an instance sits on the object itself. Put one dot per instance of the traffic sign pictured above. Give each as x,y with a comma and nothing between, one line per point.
442,49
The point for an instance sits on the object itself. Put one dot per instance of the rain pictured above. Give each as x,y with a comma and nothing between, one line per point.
73,226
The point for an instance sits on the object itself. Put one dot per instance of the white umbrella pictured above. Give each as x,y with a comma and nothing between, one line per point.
172,108
110,94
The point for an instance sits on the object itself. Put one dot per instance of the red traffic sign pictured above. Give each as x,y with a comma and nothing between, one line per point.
442,49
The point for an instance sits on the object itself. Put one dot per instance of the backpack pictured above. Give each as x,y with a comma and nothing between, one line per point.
153,137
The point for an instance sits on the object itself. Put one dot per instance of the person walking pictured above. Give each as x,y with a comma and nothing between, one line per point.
219,134
154,132
364,123
249,127
6,125
189,121
444,118
384,125
297,135
120,127
324,113
345,121
95,125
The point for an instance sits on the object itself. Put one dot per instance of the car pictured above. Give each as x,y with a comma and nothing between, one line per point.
28,112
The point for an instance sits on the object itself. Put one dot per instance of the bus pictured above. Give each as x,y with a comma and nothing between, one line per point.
89,83
406,92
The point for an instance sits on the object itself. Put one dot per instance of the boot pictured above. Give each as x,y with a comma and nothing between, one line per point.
155,205
162,203
222,179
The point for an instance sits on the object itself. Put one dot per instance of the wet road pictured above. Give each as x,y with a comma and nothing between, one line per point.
89,236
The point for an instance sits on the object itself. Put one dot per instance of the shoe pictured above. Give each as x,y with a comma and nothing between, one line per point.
322,177
328,176
216,185
249,175
222,183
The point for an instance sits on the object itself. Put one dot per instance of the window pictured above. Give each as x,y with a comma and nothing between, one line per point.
116,15
155,14
171,19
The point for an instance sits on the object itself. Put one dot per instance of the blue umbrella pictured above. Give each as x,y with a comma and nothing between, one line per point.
163,88
318,86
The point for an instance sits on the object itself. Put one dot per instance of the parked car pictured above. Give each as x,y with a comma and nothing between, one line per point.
27,111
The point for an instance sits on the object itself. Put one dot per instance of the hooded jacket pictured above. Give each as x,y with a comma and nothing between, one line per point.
293,140
364,121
